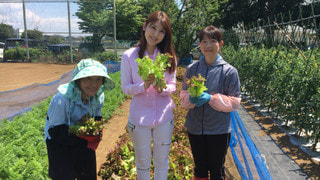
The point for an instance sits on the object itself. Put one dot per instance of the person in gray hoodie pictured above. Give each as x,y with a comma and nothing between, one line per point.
208,120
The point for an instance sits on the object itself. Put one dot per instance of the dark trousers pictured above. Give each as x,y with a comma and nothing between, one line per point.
70,162
209,152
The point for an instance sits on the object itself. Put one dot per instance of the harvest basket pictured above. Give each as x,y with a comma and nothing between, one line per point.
93,141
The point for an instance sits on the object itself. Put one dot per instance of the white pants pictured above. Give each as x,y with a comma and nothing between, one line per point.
141,138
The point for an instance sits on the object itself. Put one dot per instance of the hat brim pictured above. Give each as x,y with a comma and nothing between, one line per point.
95,71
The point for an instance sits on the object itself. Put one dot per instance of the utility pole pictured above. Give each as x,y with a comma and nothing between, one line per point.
25,29
70,39
114,30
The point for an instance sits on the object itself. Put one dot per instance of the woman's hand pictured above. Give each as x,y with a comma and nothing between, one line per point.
158,89
149,81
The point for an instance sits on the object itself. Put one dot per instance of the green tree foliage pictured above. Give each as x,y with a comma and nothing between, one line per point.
187,18
128,20
55,40
149,6
236,12
247,11
6,31
33,34
95,16
192,16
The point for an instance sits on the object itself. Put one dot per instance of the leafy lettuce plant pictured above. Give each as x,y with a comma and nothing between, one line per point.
89,127
196,85
157,68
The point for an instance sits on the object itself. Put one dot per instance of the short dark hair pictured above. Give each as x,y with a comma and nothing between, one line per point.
211,32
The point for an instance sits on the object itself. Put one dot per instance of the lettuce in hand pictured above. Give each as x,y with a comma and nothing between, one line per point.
146,67
88,127
196,85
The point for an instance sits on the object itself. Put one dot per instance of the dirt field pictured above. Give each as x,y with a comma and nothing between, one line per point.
17,75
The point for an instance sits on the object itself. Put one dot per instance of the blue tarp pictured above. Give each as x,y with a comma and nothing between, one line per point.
112,66
185,61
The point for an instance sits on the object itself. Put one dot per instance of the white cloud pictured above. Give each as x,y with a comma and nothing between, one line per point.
12,14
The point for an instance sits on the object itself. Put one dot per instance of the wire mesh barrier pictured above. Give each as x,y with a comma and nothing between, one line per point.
18,101
291,31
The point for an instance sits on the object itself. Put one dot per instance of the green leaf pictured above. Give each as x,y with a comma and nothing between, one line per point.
196,85
146,67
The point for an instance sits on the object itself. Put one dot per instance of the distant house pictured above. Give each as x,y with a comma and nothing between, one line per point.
18,32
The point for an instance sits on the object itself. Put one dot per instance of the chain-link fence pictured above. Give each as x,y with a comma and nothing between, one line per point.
58,24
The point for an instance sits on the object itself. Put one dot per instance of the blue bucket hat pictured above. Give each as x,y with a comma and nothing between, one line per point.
86,68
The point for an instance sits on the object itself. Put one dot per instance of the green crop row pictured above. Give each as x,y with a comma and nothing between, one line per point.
285,82
23,153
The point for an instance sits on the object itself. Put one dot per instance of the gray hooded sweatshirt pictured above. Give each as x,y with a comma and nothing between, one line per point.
221,78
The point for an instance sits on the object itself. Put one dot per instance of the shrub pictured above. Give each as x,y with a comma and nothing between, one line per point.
20,53
102,57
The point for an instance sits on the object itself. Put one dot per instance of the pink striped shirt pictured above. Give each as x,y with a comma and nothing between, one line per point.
148,107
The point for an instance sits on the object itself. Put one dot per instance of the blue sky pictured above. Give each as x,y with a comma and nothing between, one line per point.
46,17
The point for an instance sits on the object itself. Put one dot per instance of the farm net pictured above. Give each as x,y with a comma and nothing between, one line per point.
18,101
246,155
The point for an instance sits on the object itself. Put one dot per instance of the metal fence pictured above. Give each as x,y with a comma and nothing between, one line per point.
57,19
302,33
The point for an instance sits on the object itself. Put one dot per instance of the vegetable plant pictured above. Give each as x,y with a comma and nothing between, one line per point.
283,82
88,127
196,85
147,67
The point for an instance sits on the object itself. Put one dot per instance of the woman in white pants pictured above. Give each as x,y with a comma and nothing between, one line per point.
151,115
